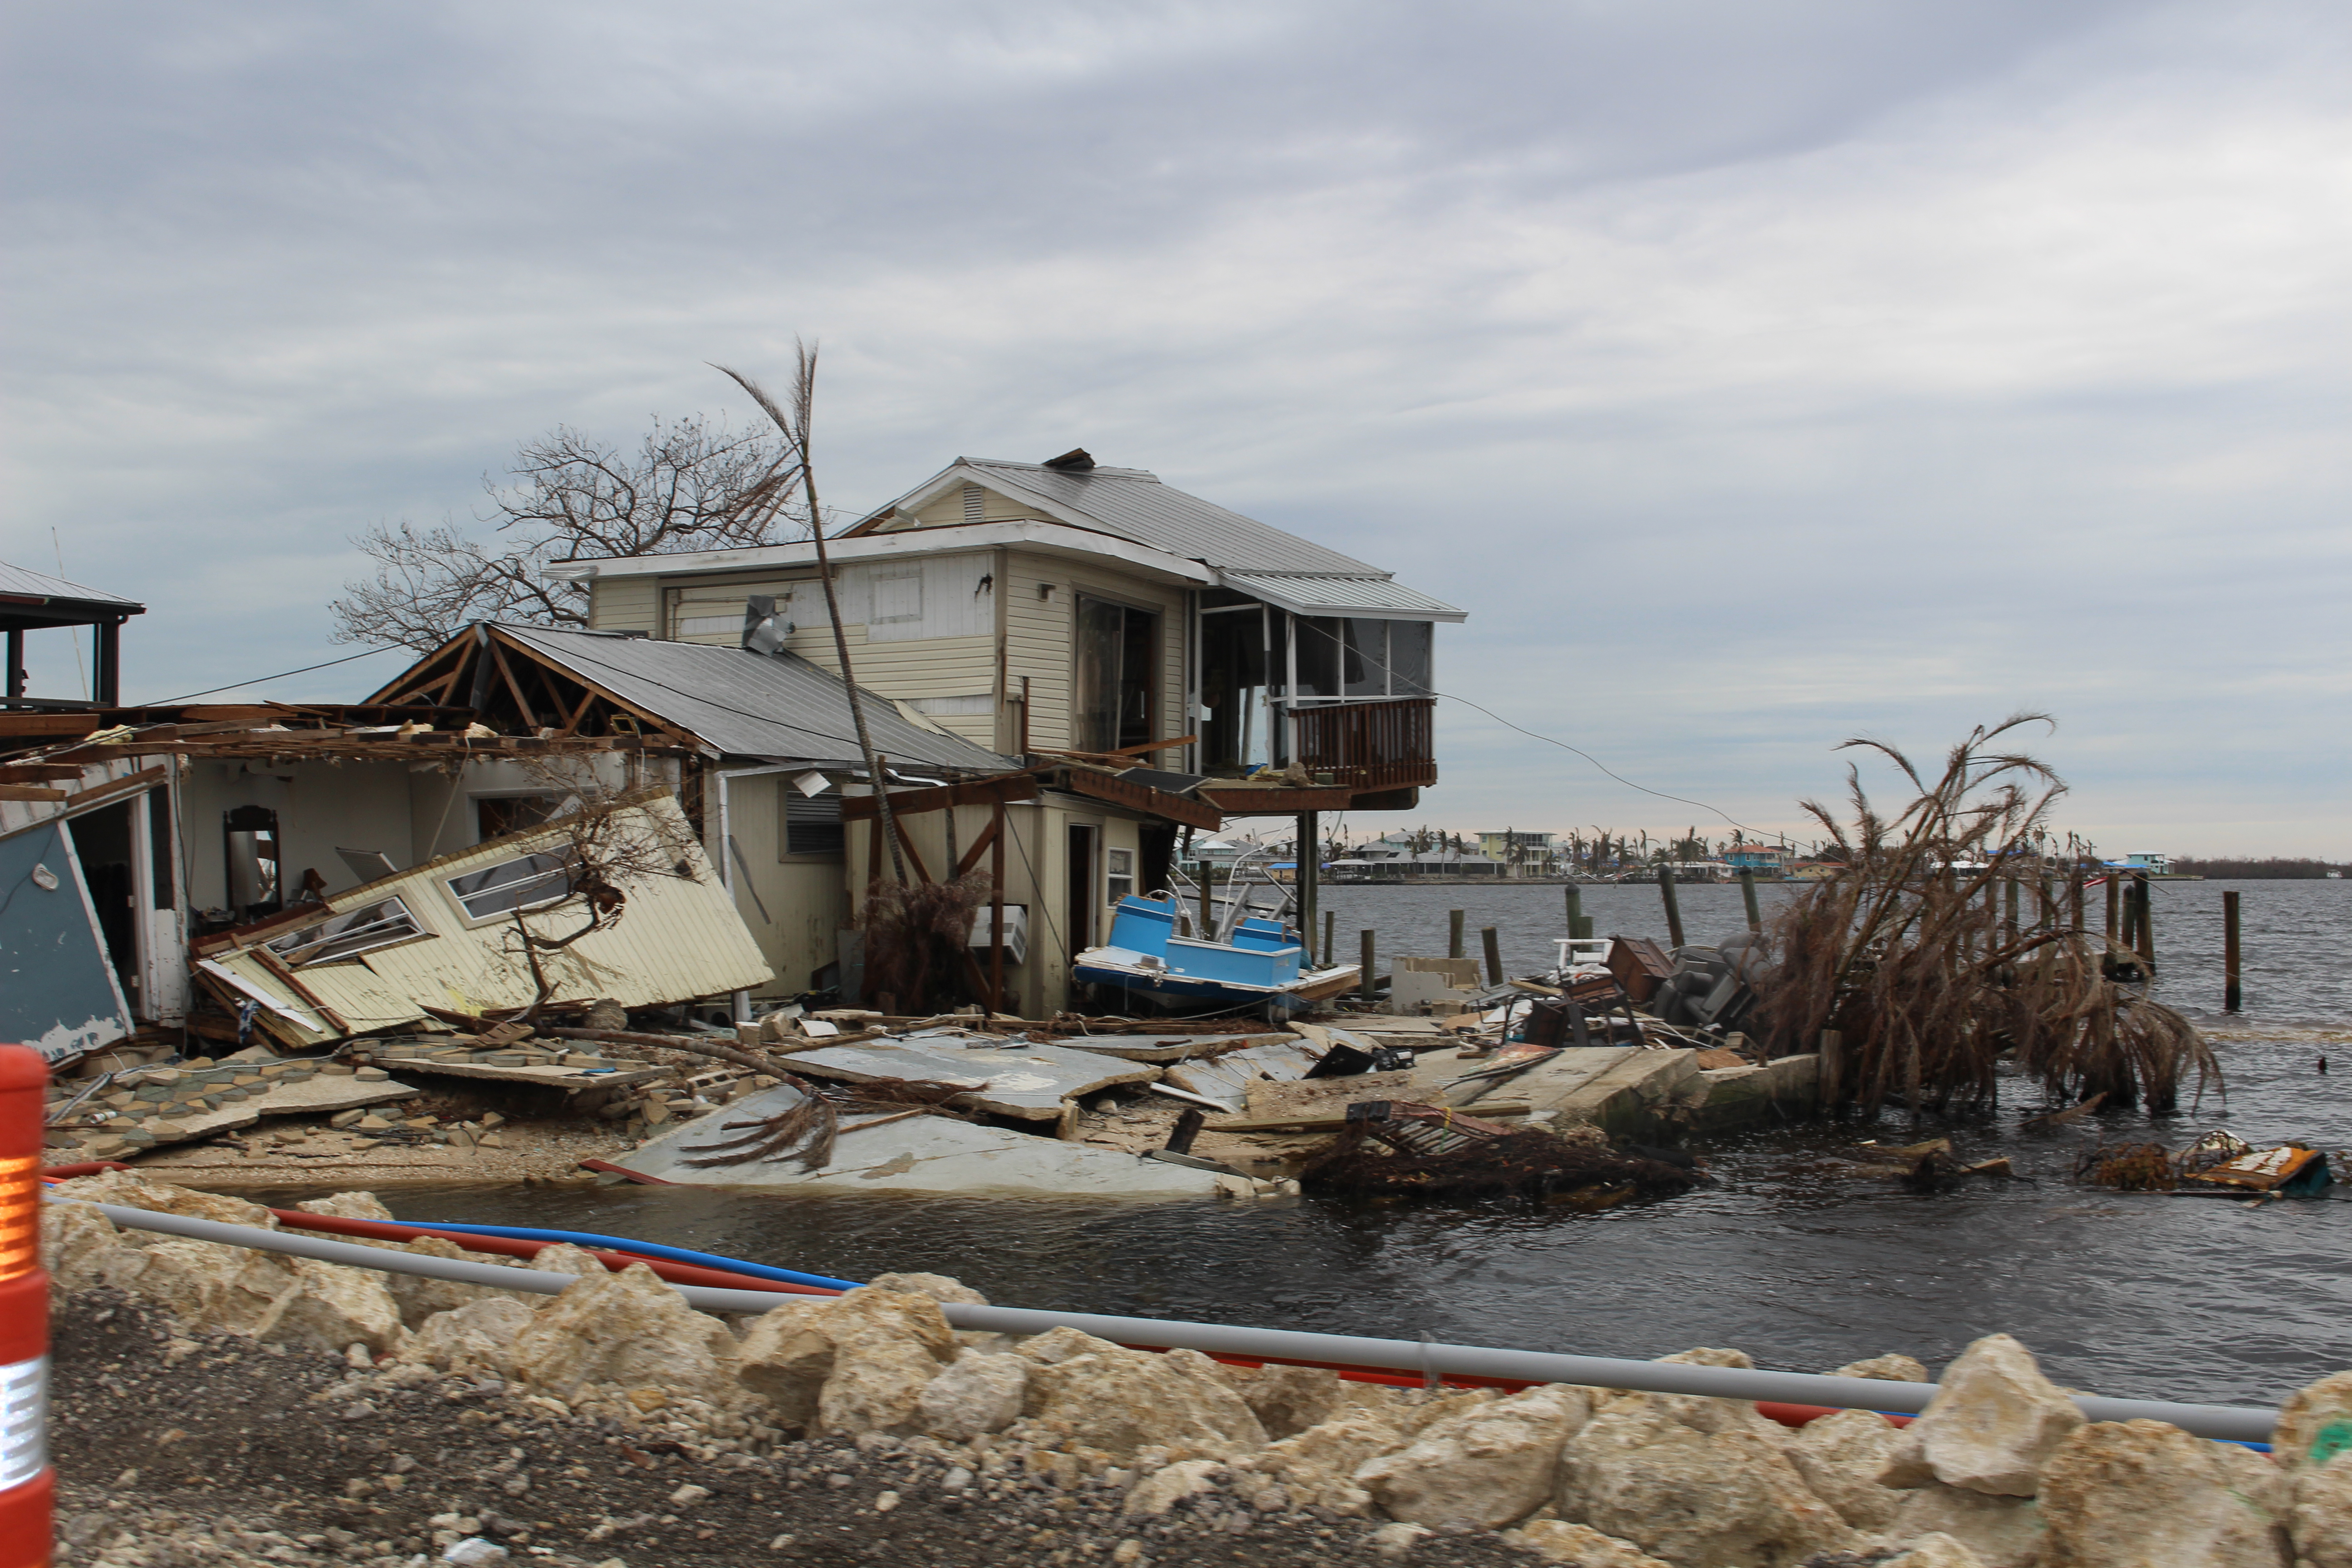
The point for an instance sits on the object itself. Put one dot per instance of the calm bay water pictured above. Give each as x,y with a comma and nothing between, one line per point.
1788,1260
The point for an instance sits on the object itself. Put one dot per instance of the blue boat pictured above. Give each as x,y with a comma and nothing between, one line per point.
1262,965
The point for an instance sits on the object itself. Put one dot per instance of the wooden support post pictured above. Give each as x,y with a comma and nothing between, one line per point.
1747,896
1187,1127
1365,979
2114,908
996,913
1674,905
1330,936
1493,941
1575,910
2143,896
1308,864
2074,898
2009,921
1453,919
1208,900
2231,993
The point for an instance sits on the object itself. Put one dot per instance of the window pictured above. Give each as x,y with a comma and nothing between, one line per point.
1118,658
1119,879
379,924
496,816
1237,698
813,823
898,597
1408,658
522,883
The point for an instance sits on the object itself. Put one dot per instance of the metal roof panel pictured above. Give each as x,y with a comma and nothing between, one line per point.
1323,594
750,704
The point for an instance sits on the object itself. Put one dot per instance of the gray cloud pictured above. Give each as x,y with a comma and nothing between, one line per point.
1758,375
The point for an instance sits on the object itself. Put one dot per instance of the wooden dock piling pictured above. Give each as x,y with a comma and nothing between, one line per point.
1366,978
1747,896
1579,924
2143,896
1453,919
1493,942
1674,905
1330,944
2114,910
2232,996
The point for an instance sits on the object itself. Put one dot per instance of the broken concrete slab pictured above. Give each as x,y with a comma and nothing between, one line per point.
1734,1097
300,1097
1011,1077
920,1154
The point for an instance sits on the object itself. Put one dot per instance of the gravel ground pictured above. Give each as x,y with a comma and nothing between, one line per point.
174,1451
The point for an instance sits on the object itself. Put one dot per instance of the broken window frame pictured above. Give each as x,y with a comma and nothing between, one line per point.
349,934
550,864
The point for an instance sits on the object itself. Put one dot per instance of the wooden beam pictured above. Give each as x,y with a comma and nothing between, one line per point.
514,687
1244,800
129,783
909,846
31,793
1141,797
980,845
572,724
38,772
1004,789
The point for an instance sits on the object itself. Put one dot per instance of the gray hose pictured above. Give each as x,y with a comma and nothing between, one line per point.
2233,1423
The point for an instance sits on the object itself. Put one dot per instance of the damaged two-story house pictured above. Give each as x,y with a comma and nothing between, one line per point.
1045,612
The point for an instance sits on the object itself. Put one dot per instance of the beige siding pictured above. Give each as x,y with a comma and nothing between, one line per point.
803,896
994,508
624,604
1040,639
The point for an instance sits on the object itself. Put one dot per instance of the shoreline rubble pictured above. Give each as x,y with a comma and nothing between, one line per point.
1160,1450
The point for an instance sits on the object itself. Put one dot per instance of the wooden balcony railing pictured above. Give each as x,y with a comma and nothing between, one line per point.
1368,745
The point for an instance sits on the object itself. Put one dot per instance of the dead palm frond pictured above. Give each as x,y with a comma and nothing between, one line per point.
1910,954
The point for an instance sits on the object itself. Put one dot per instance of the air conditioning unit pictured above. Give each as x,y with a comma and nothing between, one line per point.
1016,934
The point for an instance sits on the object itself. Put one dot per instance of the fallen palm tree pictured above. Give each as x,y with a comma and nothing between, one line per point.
1949,938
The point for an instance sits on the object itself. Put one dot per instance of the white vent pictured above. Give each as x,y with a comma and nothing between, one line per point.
975,503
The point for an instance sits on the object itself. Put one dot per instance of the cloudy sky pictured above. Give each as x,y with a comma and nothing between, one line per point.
1758,375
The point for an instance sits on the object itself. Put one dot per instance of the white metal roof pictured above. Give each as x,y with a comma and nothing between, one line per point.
1319,593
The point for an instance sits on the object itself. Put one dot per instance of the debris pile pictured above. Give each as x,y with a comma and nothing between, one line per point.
2001,1471
1419,1151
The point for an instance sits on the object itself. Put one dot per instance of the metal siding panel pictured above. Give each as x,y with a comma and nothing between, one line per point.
57,989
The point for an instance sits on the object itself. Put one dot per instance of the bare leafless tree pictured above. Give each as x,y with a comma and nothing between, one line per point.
691,484
607,847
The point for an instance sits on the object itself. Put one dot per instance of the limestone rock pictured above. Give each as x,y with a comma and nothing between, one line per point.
130,1189
420,1297
613,1334
2320,1515
204,1284
1993,1423
1484,1468
1160,1490
1122,1401
785,1358
478,1337
938,1286
1886,1368
1318,1466
1841,1456
1580,1546
856,1363
1933,1549
2004,1531
565,1258
1060,1344
1396,1540
1727,1498
1287,1400
978,1394
2120,1494
349,1206
76,1241
2314,1425
332,1307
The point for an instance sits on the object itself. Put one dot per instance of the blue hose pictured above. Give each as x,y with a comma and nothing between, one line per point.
648,1249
